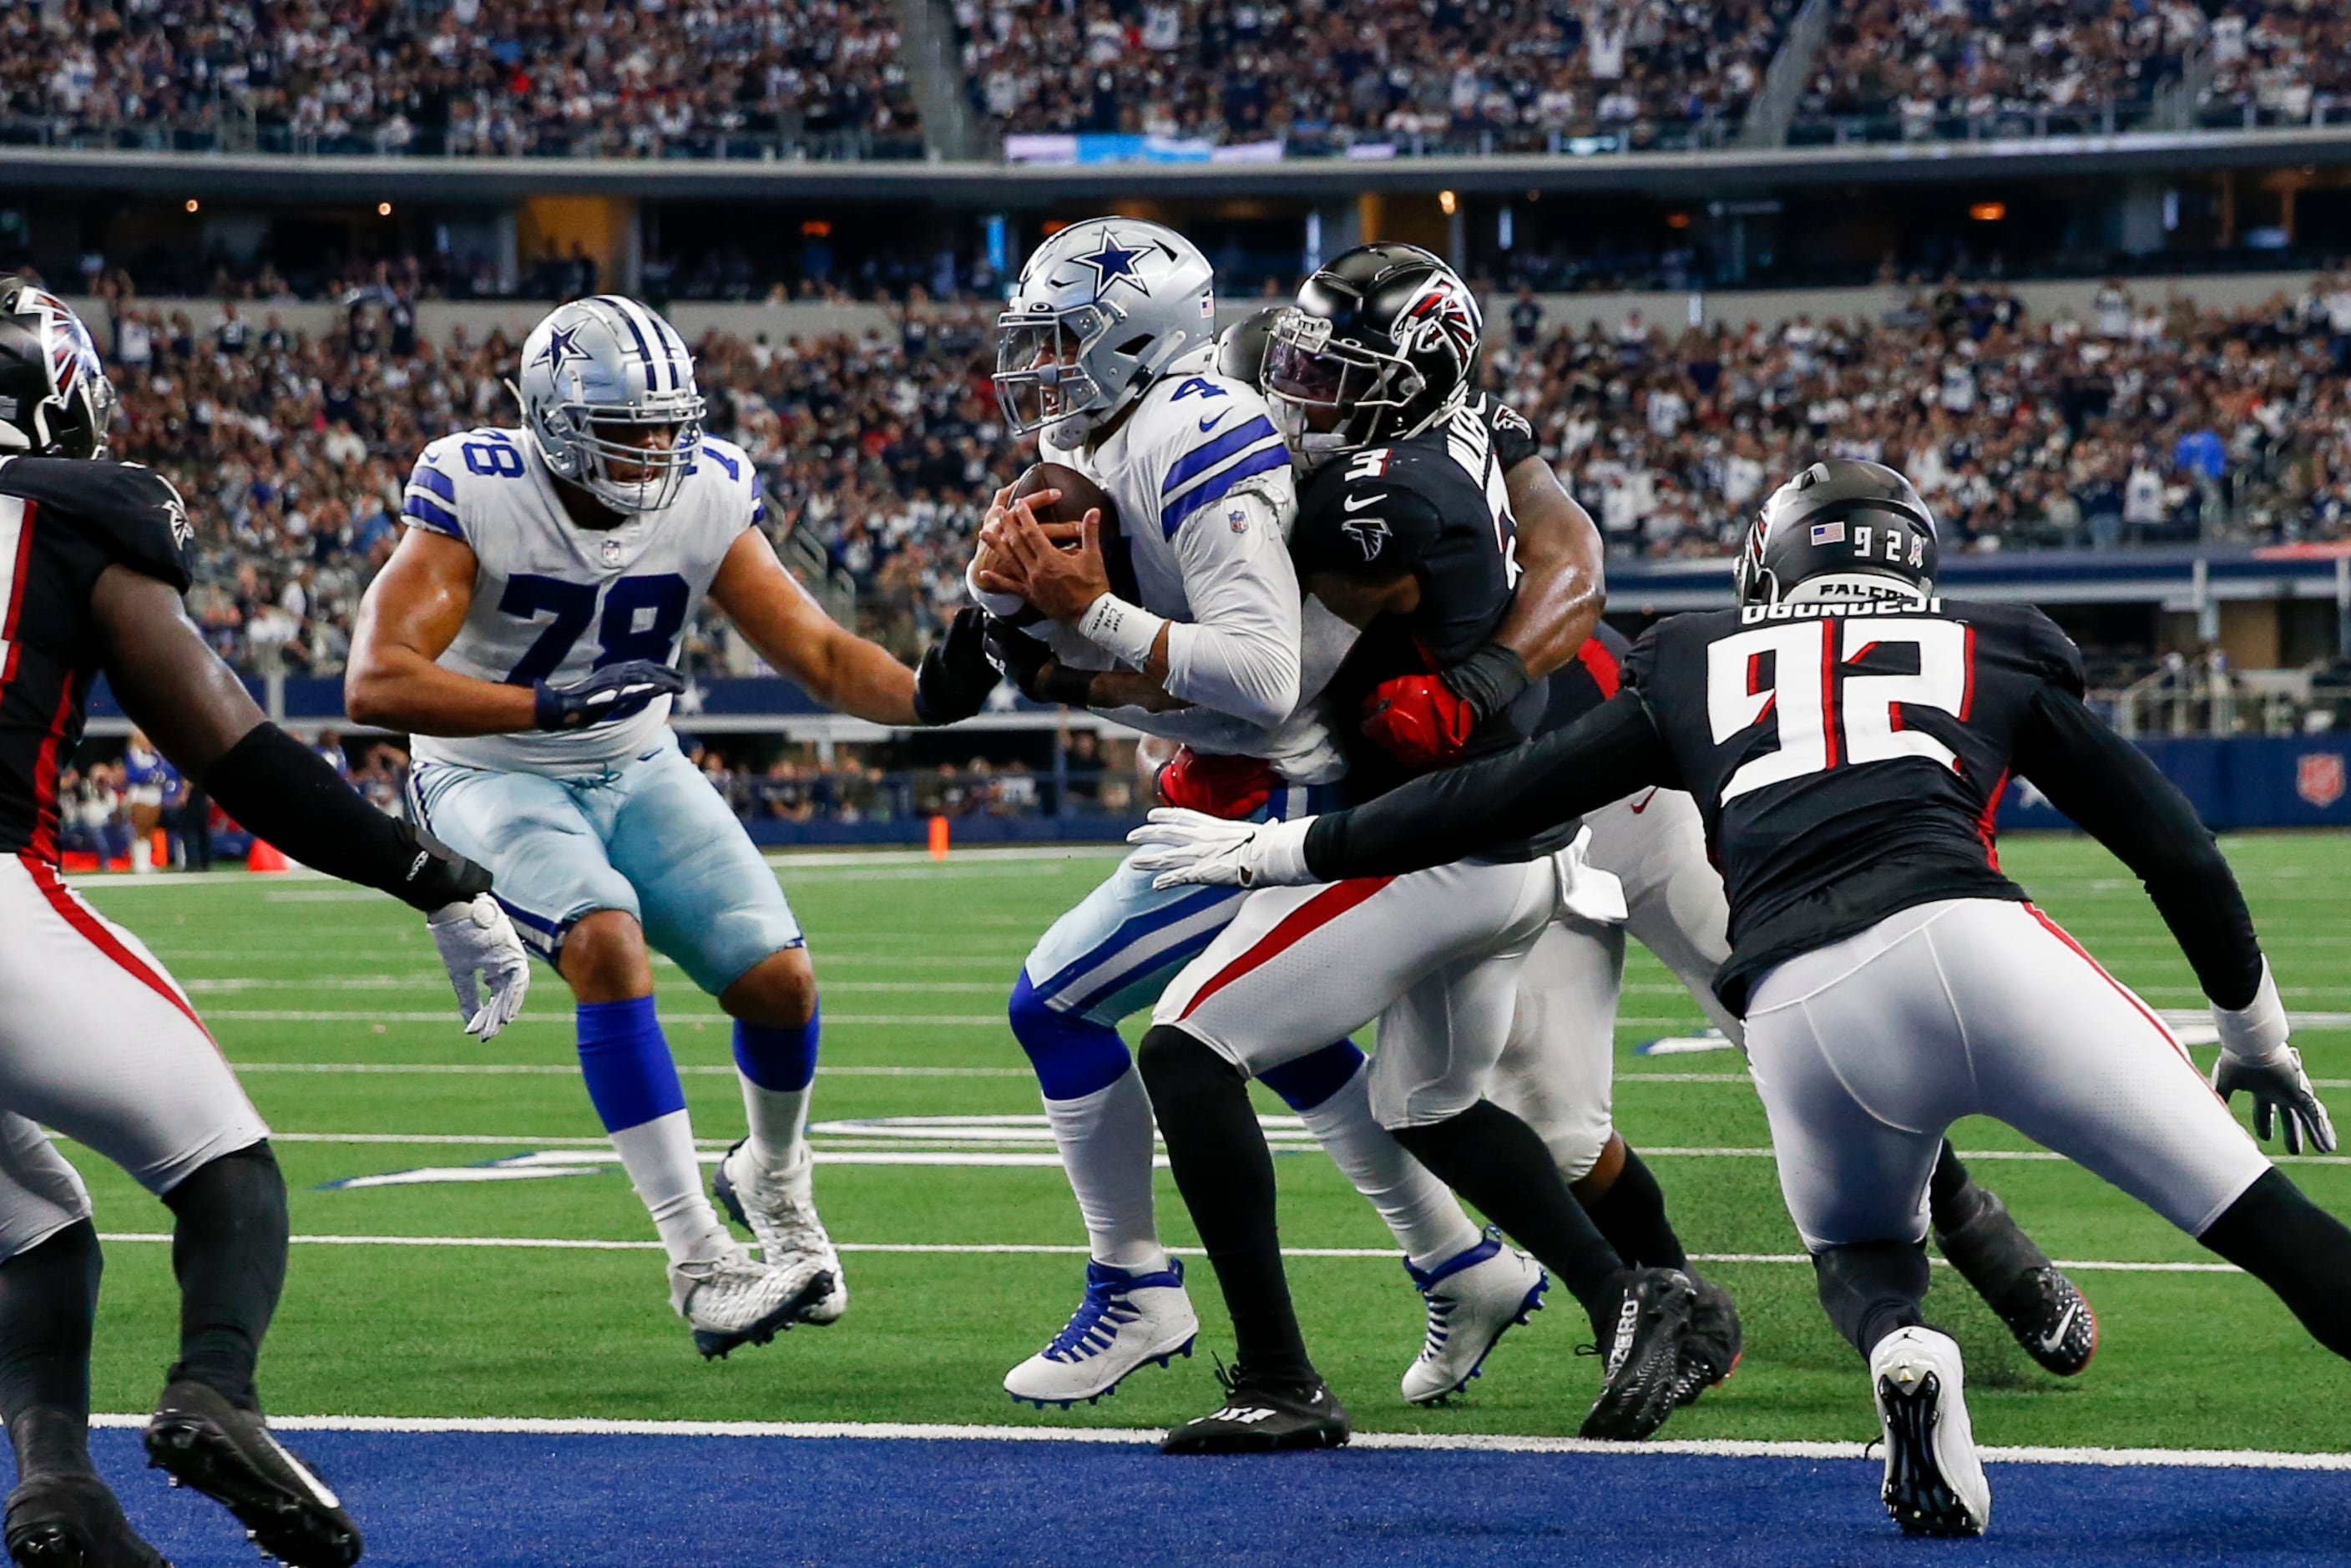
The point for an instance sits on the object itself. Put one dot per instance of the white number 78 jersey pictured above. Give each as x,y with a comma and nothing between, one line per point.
554,601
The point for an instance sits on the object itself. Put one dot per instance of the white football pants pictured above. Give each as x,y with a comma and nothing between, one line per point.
98,1041
1864,1051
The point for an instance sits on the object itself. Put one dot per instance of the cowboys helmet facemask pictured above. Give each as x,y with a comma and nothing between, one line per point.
1842,529
1380,345
55,398
1099,311
599,362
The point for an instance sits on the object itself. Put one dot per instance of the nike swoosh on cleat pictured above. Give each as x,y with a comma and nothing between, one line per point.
2055,1340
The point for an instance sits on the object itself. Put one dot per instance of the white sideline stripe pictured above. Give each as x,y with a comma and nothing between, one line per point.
991,1249
542,1427
568,1070
110,880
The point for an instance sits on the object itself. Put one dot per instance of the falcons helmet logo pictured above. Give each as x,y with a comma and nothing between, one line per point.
1443,316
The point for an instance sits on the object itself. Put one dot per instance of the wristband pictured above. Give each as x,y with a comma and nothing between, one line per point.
2258,1032
1489,680
1126,631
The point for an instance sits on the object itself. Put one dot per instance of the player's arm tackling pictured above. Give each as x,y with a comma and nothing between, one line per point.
832,664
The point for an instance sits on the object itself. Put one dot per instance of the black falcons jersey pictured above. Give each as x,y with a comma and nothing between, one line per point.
62,522
1849,760
1435,506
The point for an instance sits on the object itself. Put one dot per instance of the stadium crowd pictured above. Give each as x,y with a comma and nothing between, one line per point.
1318,72
506,78
2146,420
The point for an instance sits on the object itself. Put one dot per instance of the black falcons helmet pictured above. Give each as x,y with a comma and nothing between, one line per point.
1850,529
55,398
1380,345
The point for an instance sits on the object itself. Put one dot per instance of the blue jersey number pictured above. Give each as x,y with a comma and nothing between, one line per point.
642,618
493,457
1198,387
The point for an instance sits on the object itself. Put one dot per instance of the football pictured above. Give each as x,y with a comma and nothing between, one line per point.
1078,495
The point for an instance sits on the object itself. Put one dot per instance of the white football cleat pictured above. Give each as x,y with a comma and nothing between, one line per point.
779,1208
1130,1318
1473,1300
735,1299
1934,1482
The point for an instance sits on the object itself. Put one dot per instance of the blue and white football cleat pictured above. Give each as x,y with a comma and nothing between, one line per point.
1474,1299
1130,1318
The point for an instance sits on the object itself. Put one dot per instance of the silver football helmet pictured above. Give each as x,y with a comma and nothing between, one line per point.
1100,309
601,362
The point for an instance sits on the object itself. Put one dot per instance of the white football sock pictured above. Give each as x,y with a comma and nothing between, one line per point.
142,853
1106,1139
779,1121
1427,1219
659,1157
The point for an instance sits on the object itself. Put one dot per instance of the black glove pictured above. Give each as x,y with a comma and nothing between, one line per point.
616,691
437,874
1030,664
1489,680
956,676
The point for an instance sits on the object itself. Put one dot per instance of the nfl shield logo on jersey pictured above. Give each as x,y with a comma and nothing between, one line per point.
2318,777
611,552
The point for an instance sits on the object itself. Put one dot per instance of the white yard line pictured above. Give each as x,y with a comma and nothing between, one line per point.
994,1249
1432,1442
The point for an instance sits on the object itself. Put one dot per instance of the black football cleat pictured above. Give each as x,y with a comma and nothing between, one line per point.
1710,1353
1262,1417
1644,1356
2044,1309
73,1521
202,1440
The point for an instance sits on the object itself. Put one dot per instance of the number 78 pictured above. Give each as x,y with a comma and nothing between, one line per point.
1824,713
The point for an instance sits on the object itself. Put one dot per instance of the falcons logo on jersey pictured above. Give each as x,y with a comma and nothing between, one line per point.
1442,316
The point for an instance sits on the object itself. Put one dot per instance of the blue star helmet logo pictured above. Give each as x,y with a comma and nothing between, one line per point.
562,344
1114,263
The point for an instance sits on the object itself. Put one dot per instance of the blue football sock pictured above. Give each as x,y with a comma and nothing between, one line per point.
777,1066
626,1062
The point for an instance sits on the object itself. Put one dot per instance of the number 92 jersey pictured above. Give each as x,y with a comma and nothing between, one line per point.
554,601
1849,760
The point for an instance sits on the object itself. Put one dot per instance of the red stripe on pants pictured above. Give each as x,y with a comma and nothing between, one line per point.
1318,911
61,899
2083,954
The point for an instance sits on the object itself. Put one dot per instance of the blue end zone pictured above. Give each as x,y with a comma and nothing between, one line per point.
434,1500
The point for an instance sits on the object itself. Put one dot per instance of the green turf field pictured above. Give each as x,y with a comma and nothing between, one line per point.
306,983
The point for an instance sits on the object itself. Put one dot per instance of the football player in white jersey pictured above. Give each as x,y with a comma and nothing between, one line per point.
524,631
1187,625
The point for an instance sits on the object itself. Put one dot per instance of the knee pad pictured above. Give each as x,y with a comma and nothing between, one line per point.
246,1173
1176,1066
1073,1055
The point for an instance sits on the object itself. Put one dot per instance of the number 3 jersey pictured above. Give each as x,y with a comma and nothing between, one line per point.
554,601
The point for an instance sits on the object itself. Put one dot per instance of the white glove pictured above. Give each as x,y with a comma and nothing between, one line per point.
1190,847
478,937
2255,1057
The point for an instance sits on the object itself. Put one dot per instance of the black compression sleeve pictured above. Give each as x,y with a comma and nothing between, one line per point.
2114,794
1439,818
280,788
